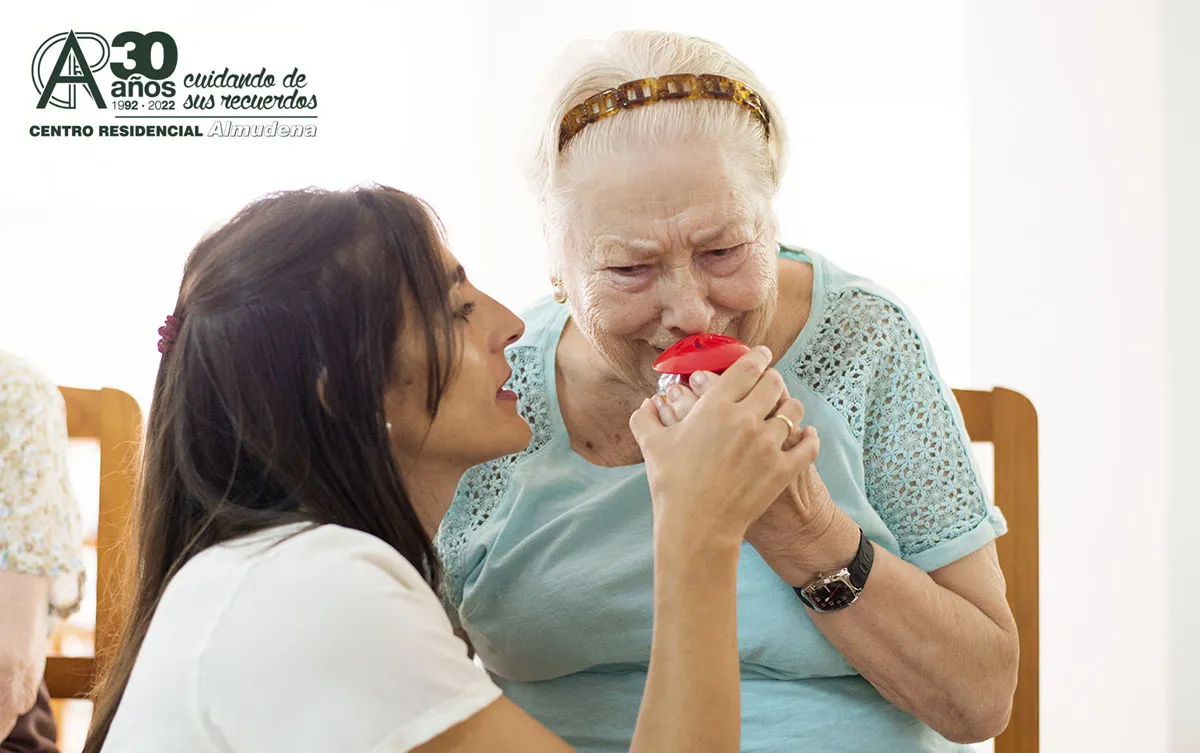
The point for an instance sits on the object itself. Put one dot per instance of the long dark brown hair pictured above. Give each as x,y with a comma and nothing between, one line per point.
300,289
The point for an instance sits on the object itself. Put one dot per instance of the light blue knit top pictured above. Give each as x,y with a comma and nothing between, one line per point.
549,558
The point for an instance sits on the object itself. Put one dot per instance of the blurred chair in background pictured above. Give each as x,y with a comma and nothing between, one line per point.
112,419
1007,420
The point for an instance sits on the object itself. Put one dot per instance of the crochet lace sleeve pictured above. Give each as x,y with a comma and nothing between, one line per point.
919,472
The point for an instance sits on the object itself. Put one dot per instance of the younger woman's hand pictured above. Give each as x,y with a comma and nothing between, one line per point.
681,398
714,472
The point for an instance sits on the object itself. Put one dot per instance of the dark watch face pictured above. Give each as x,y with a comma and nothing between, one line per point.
832,596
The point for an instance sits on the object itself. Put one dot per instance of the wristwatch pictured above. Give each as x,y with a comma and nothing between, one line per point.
830,593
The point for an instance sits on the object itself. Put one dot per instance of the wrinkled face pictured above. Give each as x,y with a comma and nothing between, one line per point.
477,419
668,245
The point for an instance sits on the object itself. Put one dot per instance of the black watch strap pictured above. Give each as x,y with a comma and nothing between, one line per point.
860,566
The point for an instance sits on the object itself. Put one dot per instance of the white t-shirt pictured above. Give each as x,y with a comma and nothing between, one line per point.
327,641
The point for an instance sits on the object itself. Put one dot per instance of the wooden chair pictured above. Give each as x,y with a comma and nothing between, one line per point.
112,418
1008,421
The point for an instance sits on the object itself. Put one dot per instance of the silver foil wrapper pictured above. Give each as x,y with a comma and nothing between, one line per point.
666,380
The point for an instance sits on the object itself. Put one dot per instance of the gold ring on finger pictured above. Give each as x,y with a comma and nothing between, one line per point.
791,426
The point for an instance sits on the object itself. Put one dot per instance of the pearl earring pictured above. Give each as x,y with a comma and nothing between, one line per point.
388,425
560,290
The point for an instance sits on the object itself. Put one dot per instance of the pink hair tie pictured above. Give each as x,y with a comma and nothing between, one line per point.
169,332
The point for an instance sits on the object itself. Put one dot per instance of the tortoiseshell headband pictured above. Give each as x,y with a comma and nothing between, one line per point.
648,90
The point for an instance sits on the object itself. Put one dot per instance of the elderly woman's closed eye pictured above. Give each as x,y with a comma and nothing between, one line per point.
871,612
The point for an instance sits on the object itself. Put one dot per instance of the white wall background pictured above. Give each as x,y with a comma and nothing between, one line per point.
1003,166
1067,274
1083,221
436,99
1181,34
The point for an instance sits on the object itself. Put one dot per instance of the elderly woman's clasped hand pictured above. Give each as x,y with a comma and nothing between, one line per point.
803,512
738,451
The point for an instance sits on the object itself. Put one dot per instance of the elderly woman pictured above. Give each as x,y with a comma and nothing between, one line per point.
41,549
872,613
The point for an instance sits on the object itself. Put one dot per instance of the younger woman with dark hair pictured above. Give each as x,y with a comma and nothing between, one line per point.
328,375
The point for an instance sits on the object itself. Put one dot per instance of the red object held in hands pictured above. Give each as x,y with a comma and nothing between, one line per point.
702,352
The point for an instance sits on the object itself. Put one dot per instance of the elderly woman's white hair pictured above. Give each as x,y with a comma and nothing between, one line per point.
589,67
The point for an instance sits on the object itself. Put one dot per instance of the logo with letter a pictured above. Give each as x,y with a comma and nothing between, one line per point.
64,63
